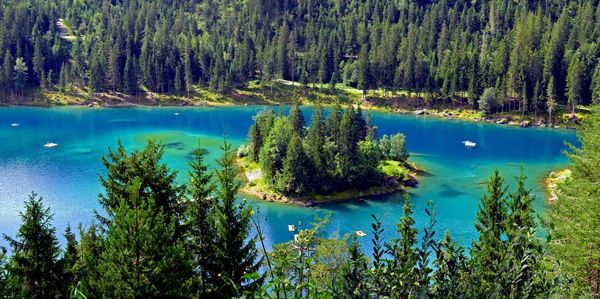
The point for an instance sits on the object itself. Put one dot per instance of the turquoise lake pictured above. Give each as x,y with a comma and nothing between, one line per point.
67,175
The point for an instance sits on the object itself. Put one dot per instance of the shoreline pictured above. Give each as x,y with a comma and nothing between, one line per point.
389,185
552,181
457,114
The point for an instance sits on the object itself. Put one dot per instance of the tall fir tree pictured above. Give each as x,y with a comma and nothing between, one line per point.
35,269
140,258
200,226
236,255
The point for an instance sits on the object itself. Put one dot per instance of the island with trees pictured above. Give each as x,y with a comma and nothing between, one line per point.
338,157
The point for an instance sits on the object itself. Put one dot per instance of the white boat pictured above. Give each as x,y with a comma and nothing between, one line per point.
50,145
176,113
469,144
291,228
360,233
14,125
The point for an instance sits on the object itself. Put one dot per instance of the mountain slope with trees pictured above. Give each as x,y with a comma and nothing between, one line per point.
535,56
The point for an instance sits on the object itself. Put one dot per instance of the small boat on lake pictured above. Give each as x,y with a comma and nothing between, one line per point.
469,144
50,145
14,125
176,113
360,233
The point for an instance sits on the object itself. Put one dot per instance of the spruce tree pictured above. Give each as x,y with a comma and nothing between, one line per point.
200,226
35,269
86,269
295,172
575,217
489,250
140,258
156,179
296,118
236,255
69,260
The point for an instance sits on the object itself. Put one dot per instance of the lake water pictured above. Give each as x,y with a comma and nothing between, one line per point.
67,175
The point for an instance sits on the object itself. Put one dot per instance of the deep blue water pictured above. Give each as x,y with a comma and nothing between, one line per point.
67,176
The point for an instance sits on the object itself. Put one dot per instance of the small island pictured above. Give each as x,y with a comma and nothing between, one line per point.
338,157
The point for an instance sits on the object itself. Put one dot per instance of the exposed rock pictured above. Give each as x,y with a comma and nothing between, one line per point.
253,175
525,124
502,121
421,112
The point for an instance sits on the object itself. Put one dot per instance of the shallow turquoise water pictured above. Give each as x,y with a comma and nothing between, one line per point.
67,176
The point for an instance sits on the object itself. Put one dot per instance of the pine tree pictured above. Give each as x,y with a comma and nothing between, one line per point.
596,85
3,273
7,71
489,250
129,74
141,258
178,80
35,270
20,74
295,172
38,61
200,226
236,253
296,118
364,69
551,101
156,179
69,261
86,269
575,83
576,216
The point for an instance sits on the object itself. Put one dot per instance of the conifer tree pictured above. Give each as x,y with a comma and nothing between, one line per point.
576,216
236,255
86,269
200,226
38,61
7,71
69,260
489,250
296,118
156,179
295,172
20,74
140,259
596,85
35,269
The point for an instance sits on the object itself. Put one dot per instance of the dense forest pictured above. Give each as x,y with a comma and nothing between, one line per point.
500,54
336,153
156,238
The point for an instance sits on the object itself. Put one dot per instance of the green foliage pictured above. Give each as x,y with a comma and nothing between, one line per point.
398,150
35,270
575,217
334,154
488,100
145,253
200,226
142,257
236,254
156,179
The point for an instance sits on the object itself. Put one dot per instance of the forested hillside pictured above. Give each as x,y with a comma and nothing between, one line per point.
530,54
